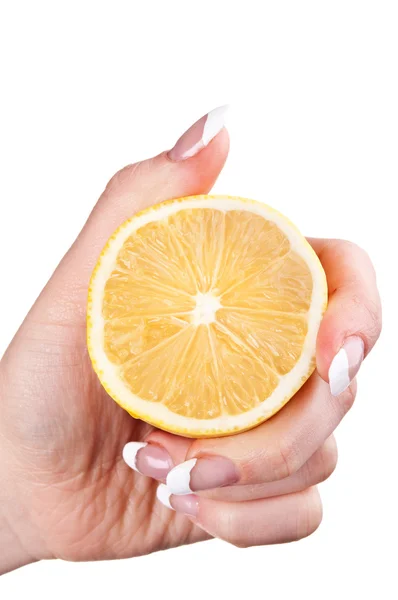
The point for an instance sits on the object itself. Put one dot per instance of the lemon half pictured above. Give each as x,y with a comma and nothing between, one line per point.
203,314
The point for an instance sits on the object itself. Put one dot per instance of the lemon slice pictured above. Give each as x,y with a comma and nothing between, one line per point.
203,314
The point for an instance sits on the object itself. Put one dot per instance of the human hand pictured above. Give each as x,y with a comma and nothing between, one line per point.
65,492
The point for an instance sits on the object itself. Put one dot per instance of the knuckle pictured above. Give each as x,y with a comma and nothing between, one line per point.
328,459
354,246
285,460
342,246
359,251
374,319
309,514
351,247
125,176
231,531
371,309
346,399
369,315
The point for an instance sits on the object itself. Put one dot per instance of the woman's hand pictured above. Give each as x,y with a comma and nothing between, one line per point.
65,490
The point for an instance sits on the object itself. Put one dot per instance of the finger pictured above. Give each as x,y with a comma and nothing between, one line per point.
157,454
191,167
154,461
259,522
352,322
317,469
273,451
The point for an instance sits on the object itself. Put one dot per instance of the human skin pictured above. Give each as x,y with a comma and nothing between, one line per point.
65,490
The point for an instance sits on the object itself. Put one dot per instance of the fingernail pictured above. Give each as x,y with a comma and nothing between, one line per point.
187,505
345,364
148,459
163,495
201,474
199,135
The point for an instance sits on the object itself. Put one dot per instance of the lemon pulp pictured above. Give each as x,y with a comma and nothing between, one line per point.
206,310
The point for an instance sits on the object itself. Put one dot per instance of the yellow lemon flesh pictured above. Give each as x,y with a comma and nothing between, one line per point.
203,314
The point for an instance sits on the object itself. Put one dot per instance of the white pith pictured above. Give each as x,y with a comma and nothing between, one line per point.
205,310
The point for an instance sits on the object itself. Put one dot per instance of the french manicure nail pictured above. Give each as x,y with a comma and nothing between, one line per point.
199,135
148,459
201,474
188,505
345,364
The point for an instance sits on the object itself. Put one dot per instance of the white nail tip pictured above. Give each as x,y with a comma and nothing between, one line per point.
163,495
178,480
214,123
130,452
339,378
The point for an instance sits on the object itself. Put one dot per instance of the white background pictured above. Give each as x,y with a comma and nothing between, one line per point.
90,86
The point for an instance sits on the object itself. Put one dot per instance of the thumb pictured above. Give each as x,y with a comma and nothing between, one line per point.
191,167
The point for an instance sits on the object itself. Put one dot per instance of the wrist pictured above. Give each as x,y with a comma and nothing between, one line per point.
13,554
15,550
20,540
20,543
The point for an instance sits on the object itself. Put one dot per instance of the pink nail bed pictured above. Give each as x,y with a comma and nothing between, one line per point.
148,459
202,474
188,505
